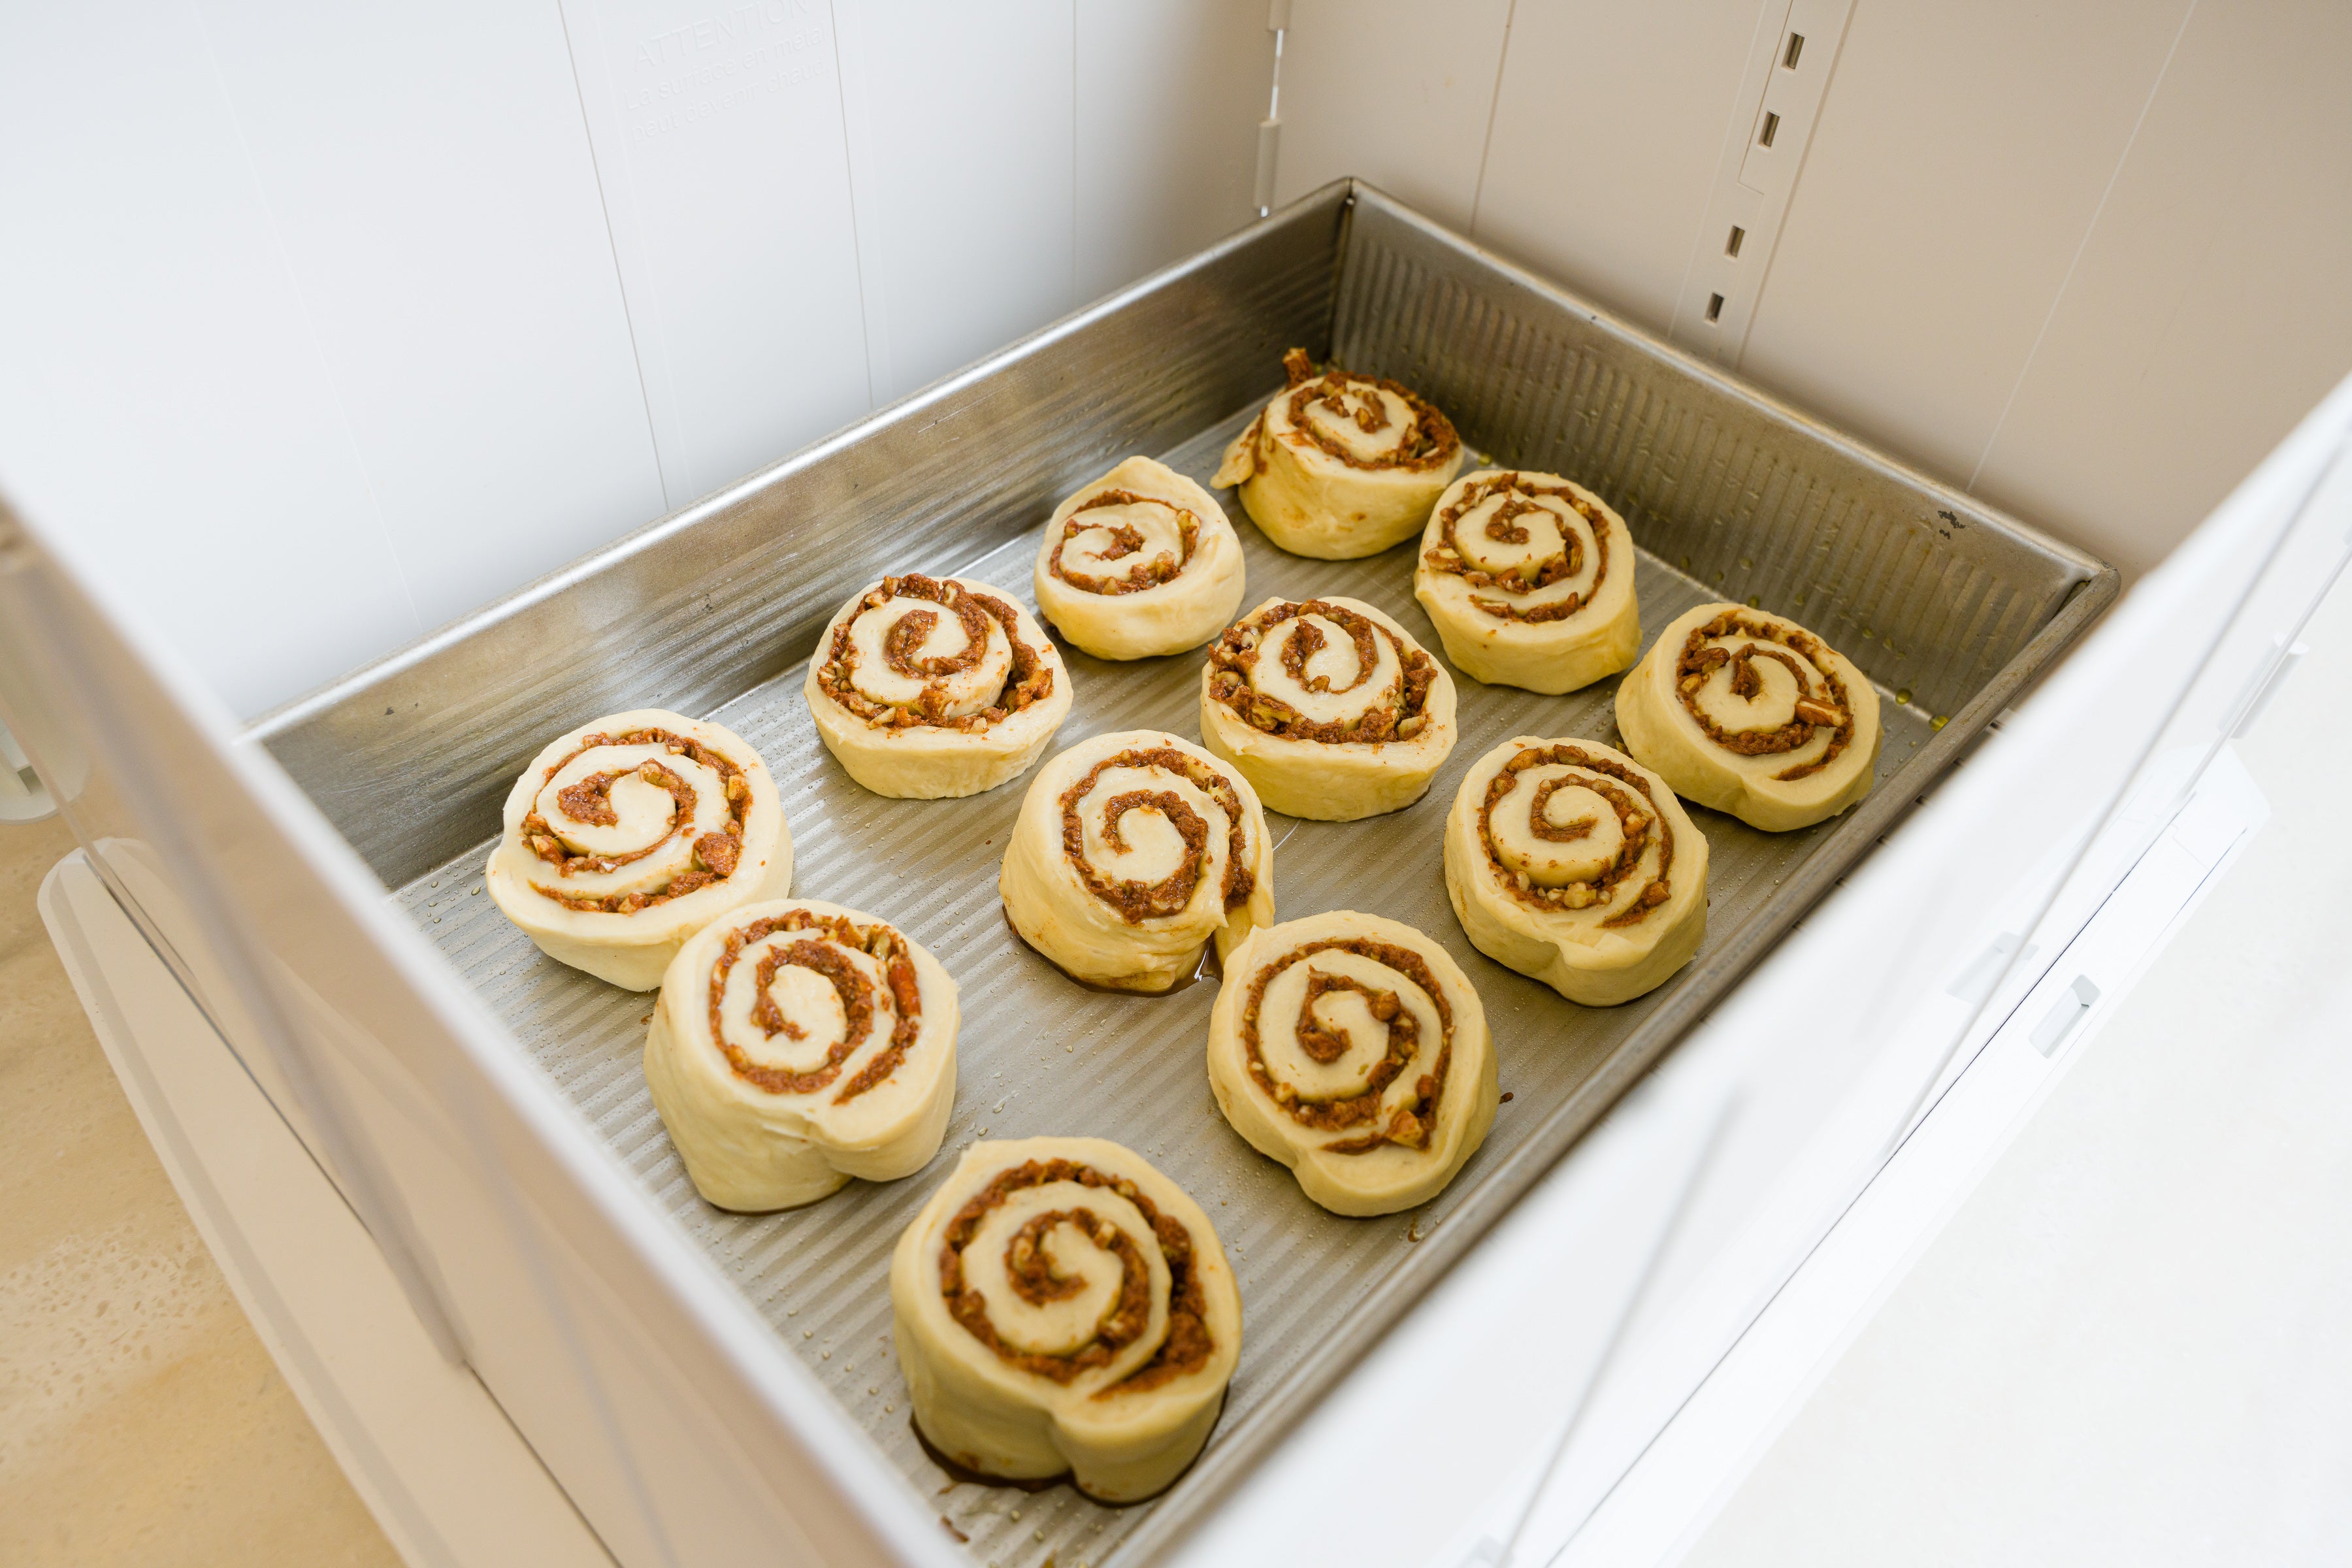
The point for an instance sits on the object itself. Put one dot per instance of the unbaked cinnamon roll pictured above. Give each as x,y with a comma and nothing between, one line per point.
1575,864
1340,465
799,1044
1751,713
1133,849
928,687
628,835
1353,1050
1141,563
1329,707
1062,1308
1529,579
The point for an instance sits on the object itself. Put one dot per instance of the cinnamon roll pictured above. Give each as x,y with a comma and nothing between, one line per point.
1751,713
1133,849
627,836
1329,707
1529,579
1142,562
1353,1050
928,687
1575,864
1340,465
797,1045
1062,1308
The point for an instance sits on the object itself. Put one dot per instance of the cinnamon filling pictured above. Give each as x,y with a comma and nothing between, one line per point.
1030,679
1128,540
1639,820
910,630
590,801
1396,715
1187,1344
1504,527
1410,1125
824,956
1427,442
1823,706
1172,894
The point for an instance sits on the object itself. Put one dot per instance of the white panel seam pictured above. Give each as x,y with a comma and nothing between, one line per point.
310,323
1796,183
866,306
613,248
1494,103
1732,127
2089,230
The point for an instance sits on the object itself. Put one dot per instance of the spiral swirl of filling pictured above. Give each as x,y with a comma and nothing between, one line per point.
1362,1042
627,836
1529,579
1075,1291
1340,465
921,650
1543,549
1575,864
1751,713
1322,671
869,971
1353,1050
1764,687
932,687
798,1044
1141,563
629,821
1131,850
1332,710
1154,537
1588,831
1062,1307
1086,838
1364,421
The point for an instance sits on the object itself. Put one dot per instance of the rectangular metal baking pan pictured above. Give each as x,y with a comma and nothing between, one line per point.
1950,606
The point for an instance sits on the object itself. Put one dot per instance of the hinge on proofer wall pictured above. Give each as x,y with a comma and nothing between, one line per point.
1269,130
1771,123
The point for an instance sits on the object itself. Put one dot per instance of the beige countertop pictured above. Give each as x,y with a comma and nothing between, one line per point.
140,1420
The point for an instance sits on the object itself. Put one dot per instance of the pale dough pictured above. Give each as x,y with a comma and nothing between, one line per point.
634,842
1074,903
967,696
1145,524
1337,999
1358,672
1613,899
1070,1379
767,1120
1529,579
1788,701
1339,466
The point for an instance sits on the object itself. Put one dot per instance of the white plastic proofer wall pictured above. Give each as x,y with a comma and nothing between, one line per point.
346,320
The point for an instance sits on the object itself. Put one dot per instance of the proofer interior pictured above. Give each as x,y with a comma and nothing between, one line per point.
1948,606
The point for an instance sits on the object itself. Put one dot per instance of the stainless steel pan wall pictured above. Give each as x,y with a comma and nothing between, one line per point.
409,756
1925,588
